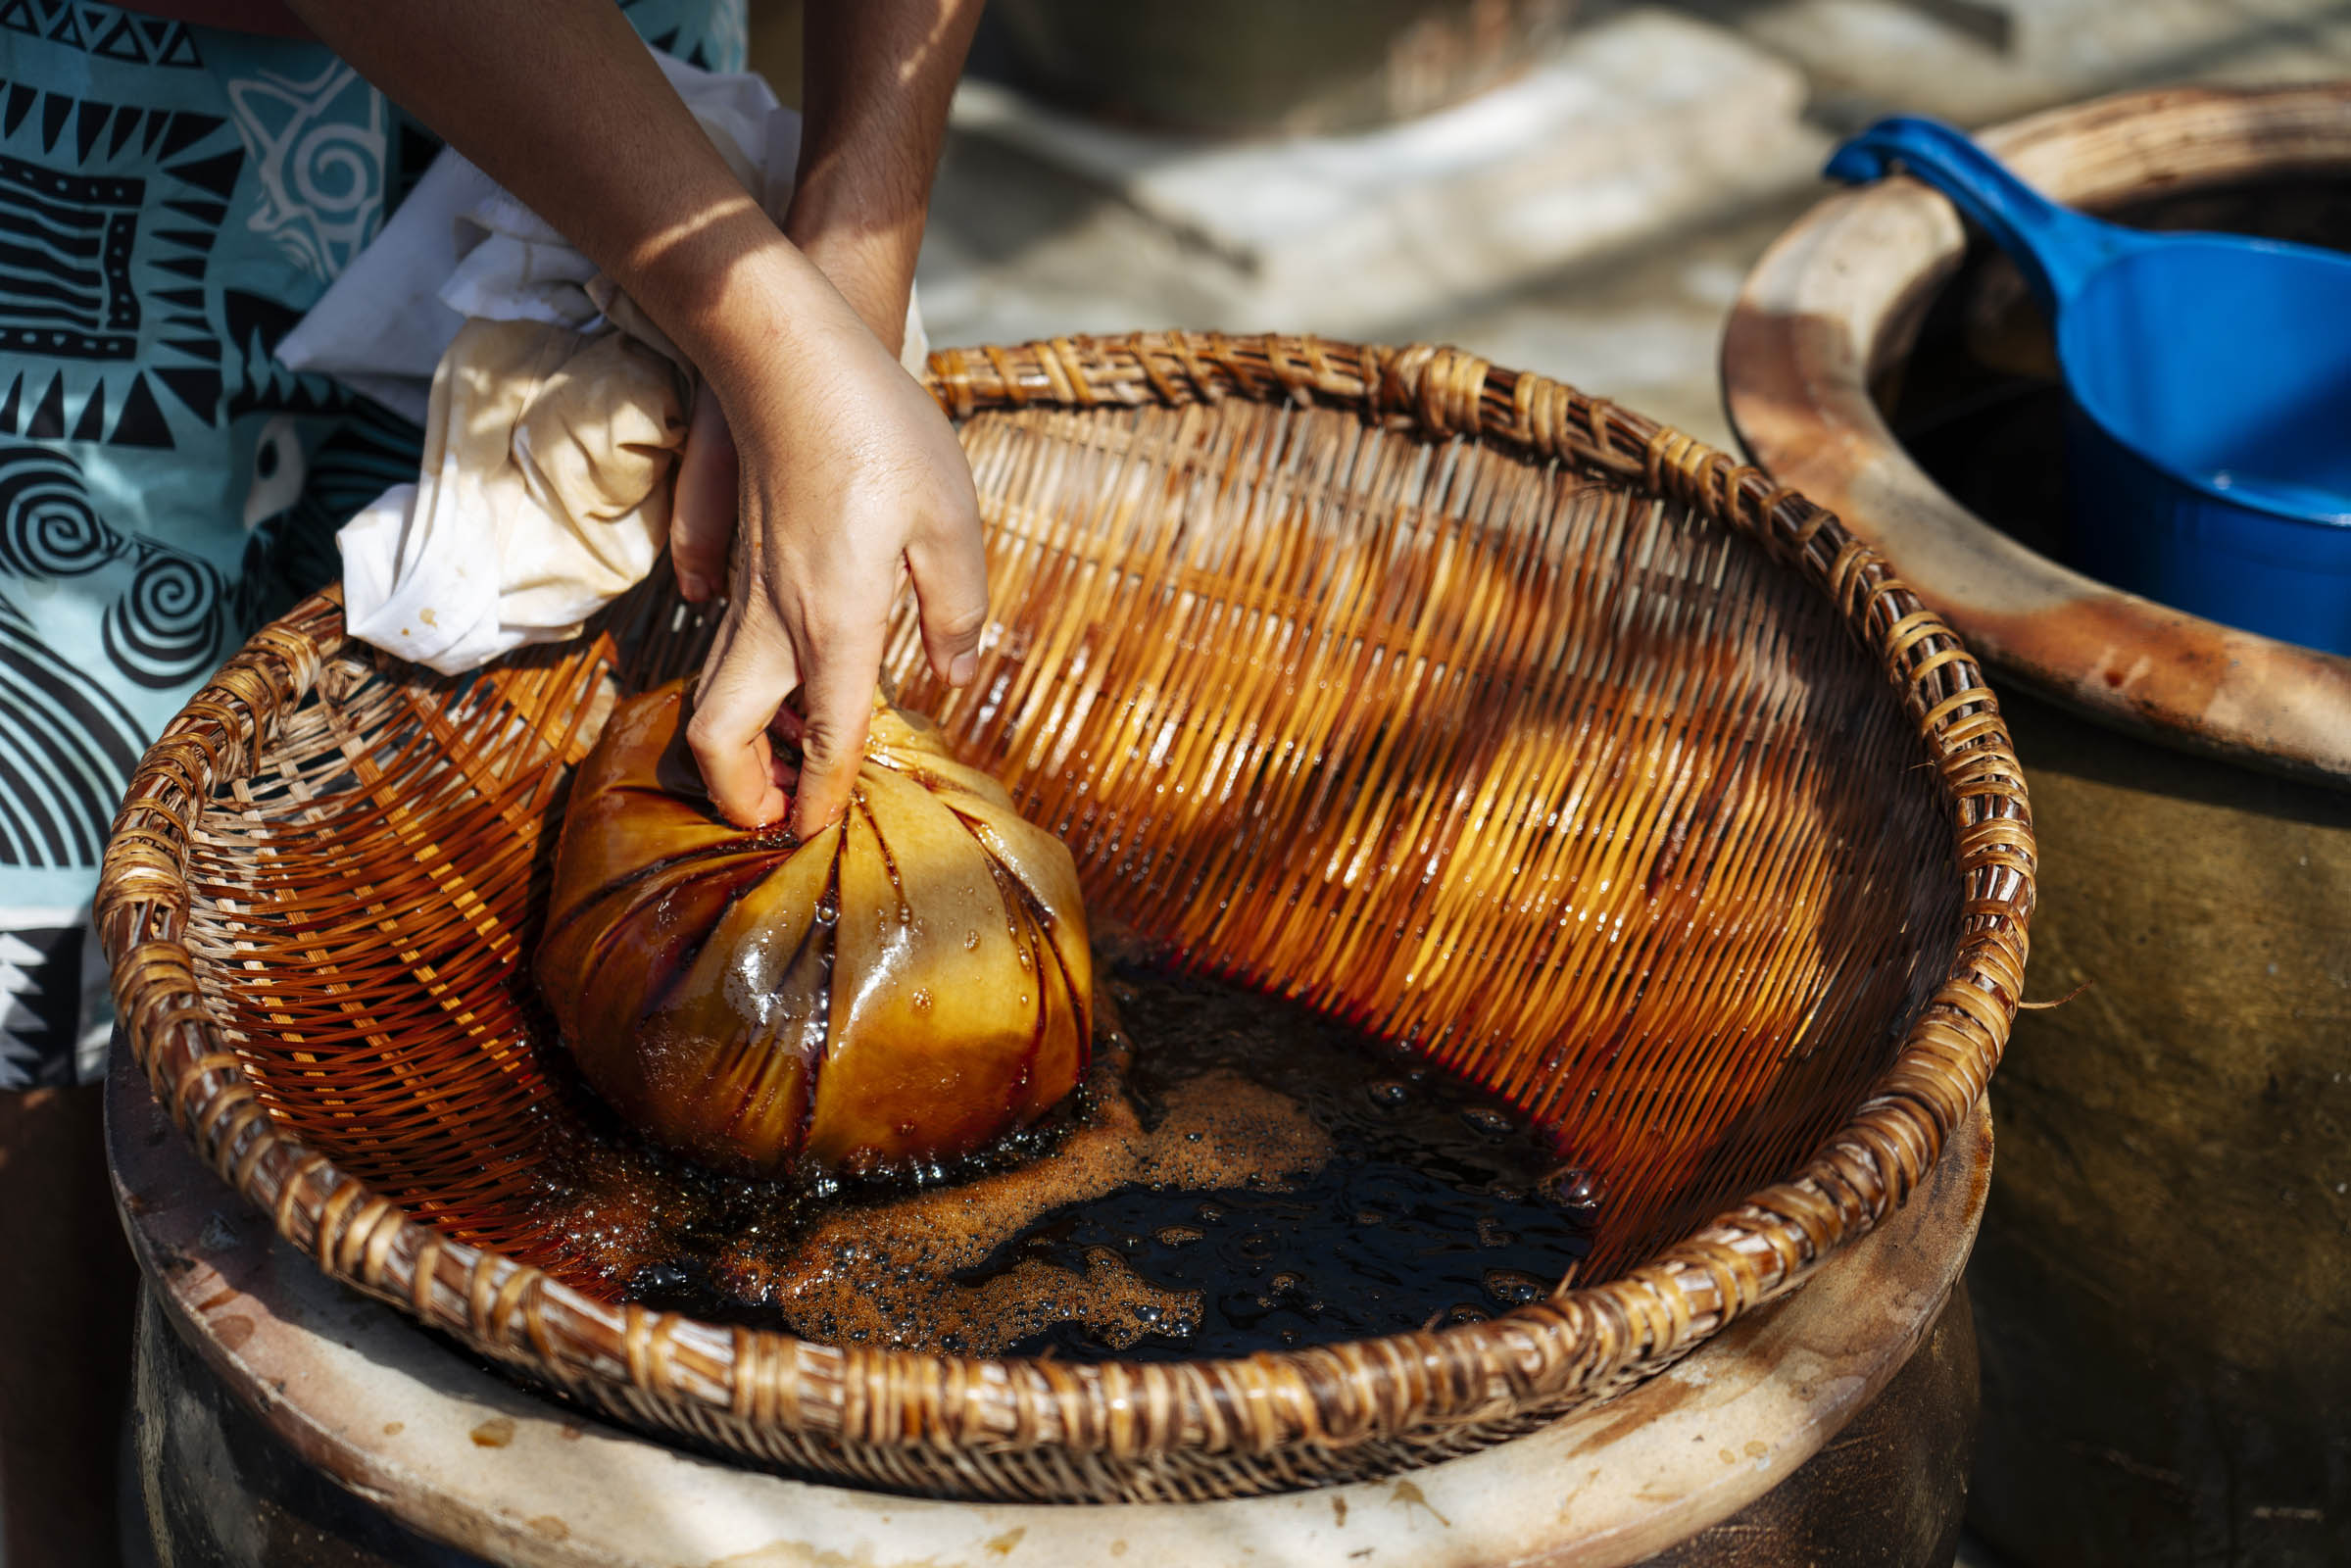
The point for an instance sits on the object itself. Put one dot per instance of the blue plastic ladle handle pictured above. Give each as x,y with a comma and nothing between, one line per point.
2057,249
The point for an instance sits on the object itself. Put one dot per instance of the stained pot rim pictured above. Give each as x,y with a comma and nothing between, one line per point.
1838,299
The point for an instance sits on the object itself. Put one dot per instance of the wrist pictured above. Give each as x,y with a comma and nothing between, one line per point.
870,262
737,295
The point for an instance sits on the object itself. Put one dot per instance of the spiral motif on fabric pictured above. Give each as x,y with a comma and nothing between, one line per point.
48,527
66,755
171,624
317,146
337,169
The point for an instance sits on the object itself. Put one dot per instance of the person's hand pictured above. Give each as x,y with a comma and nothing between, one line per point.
848,473
838,479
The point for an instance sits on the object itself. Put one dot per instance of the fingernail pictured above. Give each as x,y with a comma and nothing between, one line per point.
963,670
694,586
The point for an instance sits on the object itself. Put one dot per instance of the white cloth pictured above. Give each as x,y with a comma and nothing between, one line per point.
544,492
551,435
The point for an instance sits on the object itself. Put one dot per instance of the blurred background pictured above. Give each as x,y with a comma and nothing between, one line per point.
1569,187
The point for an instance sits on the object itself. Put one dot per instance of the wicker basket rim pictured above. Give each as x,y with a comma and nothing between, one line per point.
1585,1338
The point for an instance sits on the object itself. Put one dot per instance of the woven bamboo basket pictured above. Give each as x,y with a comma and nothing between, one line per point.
1490,716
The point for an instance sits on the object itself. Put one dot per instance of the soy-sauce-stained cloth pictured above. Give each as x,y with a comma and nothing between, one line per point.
172,199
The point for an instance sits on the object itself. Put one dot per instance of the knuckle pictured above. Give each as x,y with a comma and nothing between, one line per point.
827,742
760,640
820,621
705,736
820,753
828,625
961,622
956,528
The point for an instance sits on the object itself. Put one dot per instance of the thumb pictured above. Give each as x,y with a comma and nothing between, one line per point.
702,518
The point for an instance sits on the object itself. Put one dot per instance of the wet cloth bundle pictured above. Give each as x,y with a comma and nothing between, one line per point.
554,412
901,988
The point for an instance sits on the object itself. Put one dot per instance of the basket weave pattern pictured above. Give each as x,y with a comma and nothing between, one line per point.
1452,702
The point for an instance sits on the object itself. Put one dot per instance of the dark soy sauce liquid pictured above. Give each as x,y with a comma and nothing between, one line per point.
1434,1204
1237,1174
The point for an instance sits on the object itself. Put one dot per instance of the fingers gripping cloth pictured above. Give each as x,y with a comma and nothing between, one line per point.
555,414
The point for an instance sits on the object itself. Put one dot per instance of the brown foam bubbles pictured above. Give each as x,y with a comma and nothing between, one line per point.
1235,1173
880,1265
886,1272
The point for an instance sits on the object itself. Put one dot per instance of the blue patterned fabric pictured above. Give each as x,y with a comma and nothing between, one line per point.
172,200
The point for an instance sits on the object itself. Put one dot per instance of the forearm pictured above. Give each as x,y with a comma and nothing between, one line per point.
879,76
836,471
560,103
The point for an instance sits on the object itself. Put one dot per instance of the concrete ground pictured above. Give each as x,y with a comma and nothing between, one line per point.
1023,245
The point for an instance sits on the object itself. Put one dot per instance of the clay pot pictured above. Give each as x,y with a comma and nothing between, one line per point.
1829,1430
1248,66
2163,1284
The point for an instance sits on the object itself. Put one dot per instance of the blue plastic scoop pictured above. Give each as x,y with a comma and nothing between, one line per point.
2209,448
